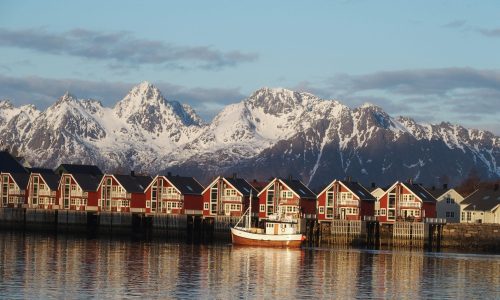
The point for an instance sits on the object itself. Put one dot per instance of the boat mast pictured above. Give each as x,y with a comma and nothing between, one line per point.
249,220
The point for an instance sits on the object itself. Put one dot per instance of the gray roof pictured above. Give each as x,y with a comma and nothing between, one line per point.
242,186
21,179
48,175
79,169
483,200
88,182
186,185
299,188
133,184
9,164
422,193
359,190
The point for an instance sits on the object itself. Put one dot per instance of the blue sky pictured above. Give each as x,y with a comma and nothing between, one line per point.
430,60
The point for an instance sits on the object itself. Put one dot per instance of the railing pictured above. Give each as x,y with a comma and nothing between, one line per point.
287,201
79,194
46,193
231,198
409,204
118,195
172,197
435,220
349,202
16,192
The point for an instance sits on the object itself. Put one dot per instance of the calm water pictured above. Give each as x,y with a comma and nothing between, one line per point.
36,266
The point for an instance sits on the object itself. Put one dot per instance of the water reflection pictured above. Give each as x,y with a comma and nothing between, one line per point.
34,266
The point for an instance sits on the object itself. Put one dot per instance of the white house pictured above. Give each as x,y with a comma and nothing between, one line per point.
482,206
448,206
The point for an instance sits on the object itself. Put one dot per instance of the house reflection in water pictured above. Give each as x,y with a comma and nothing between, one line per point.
35,266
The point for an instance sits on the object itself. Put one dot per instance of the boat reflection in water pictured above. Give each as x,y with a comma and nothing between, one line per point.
35,266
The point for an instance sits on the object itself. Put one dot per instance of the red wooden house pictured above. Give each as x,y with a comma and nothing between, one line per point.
345,200
77,189
13,191
123,193
227,197
42,188
175,195
287,197
406,201
13,181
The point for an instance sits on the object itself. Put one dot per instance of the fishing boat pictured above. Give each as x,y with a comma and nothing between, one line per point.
277,232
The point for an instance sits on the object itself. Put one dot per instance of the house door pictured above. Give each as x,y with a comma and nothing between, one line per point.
342,213
276,228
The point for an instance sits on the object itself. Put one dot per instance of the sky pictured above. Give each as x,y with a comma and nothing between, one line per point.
432,61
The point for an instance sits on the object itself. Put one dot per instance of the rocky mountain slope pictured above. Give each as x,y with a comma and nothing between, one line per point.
274,132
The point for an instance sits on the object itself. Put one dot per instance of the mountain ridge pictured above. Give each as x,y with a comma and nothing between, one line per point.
273,132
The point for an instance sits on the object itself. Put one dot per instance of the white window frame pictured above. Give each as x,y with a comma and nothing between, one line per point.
321,210
262,208
206,206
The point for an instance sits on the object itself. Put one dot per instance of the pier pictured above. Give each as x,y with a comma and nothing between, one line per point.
433,234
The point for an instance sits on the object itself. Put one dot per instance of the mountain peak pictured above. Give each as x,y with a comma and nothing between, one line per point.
277,101
6,104
67,97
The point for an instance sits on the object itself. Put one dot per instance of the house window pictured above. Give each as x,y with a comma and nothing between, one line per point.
205,206
262,208
382,212
148,204
230,192
329,212
408,197
345,196
417,213
286,194
329,199
321,210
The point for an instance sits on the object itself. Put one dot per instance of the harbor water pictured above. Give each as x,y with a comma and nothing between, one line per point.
45,266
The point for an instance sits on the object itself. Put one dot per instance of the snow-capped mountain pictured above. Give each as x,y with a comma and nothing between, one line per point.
274,132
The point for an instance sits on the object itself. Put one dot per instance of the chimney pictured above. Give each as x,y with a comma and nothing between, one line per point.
374,185
132,173
169,174
445,186
495,187
234,175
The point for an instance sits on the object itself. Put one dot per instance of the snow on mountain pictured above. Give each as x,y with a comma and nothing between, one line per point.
274,132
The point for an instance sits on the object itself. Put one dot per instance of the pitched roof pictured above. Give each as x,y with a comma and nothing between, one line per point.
483,200
21,179
87,182
186,185
48,175
259,185
9,164
79,169
359,190
242,186
299,188
134,184
420,192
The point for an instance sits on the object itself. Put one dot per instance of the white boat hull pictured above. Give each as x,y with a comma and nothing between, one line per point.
243,237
